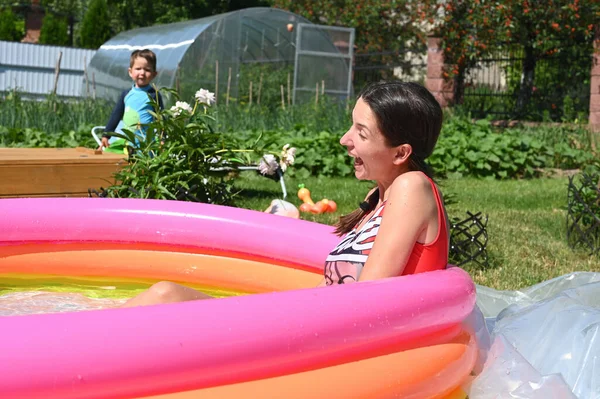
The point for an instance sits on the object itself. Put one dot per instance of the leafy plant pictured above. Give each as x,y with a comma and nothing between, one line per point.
465,147
95,29
583,216
326,115
318,154
54,31
473,149
178,157
52,115
33,138
10,29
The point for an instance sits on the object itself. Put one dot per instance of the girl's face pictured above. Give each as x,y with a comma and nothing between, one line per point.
373,158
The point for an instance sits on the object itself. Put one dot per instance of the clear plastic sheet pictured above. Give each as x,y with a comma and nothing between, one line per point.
492,302
546,340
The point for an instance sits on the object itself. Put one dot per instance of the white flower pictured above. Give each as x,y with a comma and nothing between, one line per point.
205,96
180,107
268,164
287,156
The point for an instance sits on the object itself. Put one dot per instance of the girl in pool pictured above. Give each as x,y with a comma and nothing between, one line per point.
401,227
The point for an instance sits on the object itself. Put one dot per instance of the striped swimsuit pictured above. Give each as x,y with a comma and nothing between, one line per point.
345,263
347,259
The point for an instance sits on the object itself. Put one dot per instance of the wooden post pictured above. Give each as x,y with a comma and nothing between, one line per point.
94,85
322,87
216,81
259,89
282,98
85,76
228,88
317,95
56,73
250,93
289,91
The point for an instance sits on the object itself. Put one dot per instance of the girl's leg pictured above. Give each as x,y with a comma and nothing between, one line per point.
165,292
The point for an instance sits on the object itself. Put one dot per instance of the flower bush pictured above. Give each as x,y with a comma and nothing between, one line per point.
179,156
180,108
206,97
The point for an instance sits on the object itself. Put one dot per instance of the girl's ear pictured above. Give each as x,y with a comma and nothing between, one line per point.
402,154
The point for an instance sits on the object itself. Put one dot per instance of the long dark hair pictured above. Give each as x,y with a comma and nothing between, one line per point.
406,113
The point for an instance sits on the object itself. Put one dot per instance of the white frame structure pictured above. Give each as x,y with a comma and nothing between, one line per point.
337,54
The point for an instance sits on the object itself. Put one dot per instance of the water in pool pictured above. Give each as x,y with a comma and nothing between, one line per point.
20,295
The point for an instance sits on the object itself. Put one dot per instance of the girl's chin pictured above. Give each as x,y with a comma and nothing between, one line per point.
360,174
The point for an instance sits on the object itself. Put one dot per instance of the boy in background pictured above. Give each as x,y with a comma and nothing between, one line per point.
132,109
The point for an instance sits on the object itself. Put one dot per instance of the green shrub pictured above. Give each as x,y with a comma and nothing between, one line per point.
95,28
318,153
467,148
53,115
10,26
328,115
33,138
571,143
55,30
583,211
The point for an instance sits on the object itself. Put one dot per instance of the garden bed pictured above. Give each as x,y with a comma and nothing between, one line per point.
55,172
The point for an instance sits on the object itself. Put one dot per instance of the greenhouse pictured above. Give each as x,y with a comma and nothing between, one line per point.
255,55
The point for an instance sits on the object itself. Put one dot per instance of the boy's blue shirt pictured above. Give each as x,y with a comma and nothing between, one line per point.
131,111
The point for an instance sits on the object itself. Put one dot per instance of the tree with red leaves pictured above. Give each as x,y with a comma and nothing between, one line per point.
473,28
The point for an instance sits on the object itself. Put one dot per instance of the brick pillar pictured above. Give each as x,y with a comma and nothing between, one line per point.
33,22
441,89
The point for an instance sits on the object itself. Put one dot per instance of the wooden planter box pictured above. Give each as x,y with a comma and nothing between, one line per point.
55,172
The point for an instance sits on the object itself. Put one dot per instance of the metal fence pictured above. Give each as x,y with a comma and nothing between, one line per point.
560,90
388,65
583,213
31,69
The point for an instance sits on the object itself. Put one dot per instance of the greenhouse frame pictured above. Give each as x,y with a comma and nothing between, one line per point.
252,55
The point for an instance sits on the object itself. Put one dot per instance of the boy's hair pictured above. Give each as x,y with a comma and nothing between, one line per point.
148,55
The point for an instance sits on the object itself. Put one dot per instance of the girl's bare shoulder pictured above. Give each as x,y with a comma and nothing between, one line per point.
411,182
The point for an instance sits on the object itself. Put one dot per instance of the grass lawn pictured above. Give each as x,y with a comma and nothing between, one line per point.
526,228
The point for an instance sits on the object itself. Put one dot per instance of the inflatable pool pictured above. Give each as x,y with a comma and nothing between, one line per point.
399,337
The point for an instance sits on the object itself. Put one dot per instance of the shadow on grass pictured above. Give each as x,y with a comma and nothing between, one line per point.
254,193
